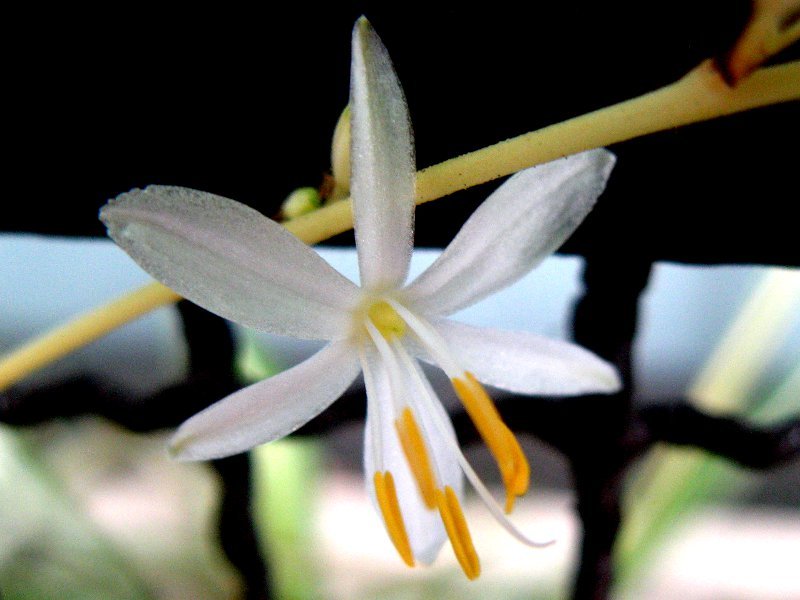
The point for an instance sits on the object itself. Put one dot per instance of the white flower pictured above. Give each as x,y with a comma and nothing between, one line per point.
233,261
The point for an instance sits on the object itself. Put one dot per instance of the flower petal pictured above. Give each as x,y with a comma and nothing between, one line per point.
269,409
520,224
231,260
526,363
382,451
430,412
382,157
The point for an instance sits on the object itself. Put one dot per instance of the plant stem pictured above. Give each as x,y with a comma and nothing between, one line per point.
699,96
85,328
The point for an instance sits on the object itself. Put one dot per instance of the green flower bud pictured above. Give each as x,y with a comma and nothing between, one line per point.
299,202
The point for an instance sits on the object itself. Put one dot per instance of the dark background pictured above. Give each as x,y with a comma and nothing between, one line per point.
242,103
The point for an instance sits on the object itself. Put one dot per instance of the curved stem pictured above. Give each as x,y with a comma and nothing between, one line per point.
699,96
82,330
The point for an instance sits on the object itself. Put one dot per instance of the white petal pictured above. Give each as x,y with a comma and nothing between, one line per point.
231,260
382,451
269,409
382,157
430,411
526,363
523,222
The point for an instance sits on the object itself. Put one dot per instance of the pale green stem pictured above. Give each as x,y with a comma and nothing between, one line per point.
699,96
85,328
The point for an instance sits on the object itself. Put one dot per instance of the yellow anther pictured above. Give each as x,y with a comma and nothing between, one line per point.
392,517
458,532
502,444
386,320
416,452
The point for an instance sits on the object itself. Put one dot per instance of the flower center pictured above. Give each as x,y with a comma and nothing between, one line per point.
386,320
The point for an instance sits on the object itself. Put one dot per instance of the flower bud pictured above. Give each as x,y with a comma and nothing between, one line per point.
299,202
340,157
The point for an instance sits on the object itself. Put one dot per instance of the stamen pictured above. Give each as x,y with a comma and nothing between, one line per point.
502,444
386,320
373,431
389,364
416,452
427,398
458,532
392,517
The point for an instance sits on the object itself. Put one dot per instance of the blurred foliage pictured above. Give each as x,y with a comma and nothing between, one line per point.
286,481
697,480
91,511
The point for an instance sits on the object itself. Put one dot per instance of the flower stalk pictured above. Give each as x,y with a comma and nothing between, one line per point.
701,95
82,330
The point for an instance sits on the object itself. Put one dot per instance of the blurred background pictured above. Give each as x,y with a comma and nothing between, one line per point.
243,104
90,510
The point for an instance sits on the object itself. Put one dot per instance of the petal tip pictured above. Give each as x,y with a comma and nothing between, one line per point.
106,212
362,30
180,448
111,213
362,24
606,160
608,380
597,160
615,385
188,446
600,377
